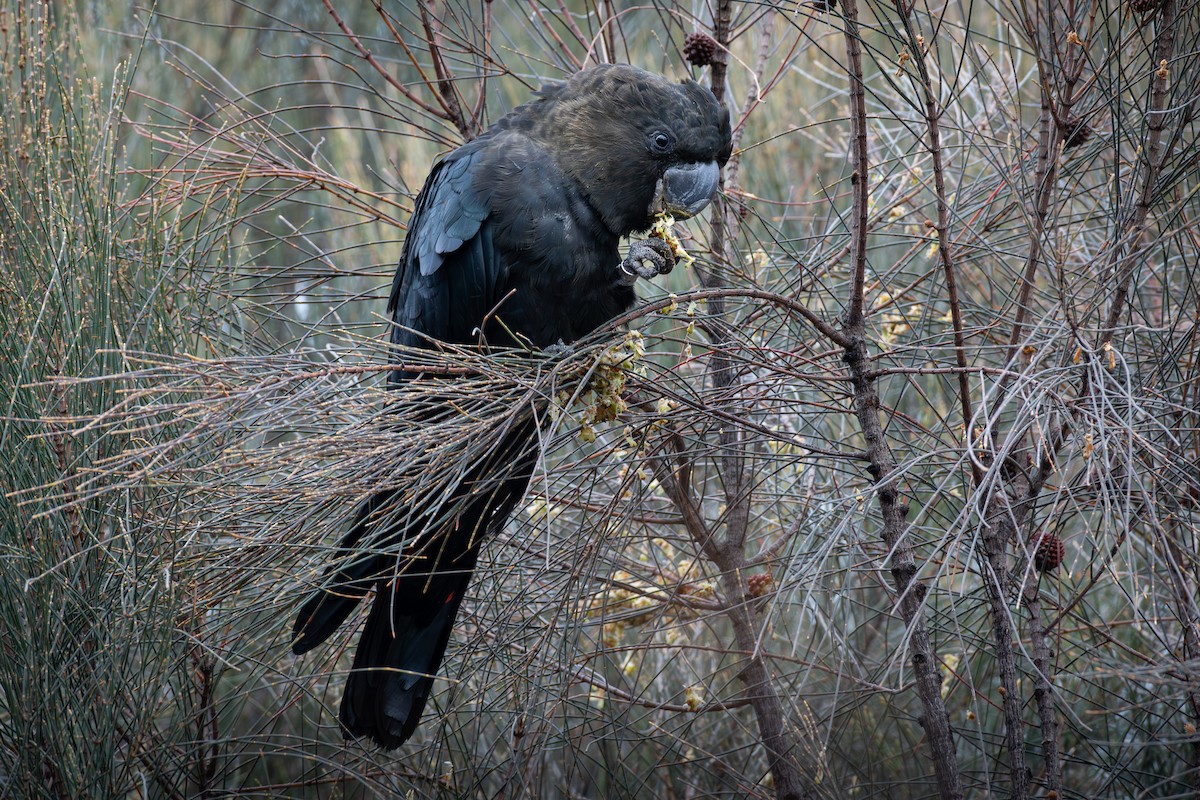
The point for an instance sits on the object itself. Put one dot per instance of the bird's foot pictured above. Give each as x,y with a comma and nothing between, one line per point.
647,258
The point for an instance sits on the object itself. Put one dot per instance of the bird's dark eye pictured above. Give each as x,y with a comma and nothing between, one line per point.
660,141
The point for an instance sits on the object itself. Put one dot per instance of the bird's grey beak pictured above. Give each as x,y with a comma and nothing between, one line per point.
687,188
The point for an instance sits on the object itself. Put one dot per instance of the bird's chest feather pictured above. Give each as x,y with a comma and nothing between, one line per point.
562,262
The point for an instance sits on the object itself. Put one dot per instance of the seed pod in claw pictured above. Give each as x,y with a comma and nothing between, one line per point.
663,230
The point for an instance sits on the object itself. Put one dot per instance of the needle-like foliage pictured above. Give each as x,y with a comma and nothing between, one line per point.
893,493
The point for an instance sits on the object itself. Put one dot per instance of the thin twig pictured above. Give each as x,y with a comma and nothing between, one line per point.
387,76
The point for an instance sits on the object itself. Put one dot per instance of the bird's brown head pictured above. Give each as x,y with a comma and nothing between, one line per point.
637,143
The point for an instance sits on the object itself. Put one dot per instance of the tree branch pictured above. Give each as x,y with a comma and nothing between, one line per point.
910,589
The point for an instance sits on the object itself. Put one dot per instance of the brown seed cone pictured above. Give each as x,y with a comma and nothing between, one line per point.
1050,552
1075,132
758,585
699,48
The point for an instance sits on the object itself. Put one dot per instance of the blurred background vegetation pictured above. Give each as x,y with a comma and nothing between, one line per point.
738,587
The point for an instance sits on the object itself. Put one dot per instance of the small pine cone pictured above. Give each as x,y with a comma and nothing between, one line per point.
1050,552
759,585
1075,132
699,48
1144,6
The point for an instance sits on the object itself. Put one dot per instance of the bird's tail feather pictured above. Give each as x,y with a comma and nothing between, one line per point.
405,638
399,653
418,591
327,608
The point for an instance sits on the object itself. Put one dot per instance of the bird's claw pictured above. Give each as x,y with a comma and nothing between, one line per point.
647,258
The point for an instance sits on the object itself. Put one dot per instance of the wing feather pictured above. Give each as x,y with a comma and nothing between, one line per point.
449,269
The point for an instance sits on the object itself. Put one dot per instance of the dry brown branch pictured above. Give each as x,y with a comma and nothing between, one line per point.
910,589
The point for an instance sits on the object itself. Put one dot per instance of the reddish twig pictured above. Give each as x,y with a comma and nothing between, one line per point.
374,62
446,92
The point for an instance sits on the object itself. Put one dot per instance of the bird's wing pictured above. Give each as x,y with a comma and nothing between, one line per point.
450,269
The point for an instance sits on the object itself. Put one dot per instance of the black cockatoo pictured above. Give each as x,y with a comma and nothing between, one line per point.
513,242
